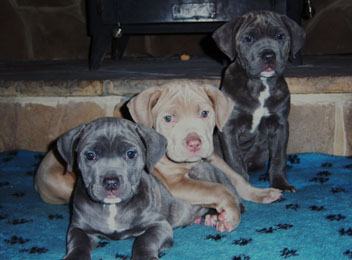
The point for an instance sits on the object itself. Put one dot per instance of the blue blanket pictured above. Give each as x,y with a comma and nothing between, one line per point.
313,223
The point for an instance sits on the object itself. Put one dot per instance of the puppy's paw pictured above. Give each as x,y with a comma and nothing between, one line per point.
145,258
271,195
283,185
197,221
74,257
286,188
210,220
267,195
228,220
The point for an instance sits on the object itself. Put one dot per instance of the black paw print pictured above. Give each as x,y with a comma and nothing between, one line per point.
345,232
266,230
18,194
55,216
35,250
286,253
9,156
324,173
337,217
16,240
20,221
293,159
348,253
122,257
215,238
317,208
321,180
292,206
241,257
242,241
263,177
3,184
2,217
280,200
102,243
284,226
161,254
337,190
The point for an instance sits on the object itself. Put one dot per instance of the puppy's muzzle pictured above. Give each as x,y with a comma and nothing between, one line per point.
193,143
268,58
111,188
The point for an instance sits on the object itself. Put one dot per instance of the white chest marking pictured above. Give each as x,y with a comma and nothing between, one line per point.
112,215
261,111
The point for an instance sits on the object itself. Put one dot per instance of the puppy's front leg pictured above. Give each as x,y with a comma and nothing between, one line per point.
232,153
243,187
209,195
278,137
157,237
79,244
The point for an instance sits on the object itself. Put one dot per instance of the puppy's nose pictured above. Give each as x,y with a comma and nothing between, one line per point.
111,184
268,56
193,143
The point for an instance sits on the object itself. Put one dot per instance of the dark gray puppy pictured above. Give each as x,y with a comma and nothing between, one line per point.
260,44
116,196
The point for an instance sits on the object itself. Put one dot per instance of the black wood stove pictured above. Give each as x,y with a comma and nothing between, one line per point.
111,21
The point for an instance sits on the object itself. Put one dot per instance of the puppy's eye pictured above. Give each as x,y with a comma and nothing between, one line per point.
168,118
91,156
280,36
249,38
204,114
131,154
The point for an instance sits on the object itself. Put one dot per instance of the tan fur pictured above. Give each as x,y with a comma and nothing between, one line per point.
150,108
53,184
212,195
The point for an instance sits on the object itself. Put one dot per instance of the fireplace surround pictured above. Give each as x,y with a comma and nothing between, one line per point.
113,21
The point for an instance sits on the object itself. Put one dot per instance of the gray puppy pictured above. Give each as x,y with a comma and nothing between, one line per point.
116,196
260,44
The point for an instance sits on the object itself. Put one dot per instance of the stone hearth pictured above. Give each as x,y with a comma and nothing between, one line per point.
40,101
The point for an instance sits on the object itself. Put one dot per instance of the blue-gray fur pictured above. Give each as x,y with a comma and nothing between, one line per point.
259,44
146,209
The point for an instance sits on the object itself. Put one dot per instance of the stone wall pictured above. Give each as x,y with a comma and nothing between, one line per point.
56,30
320,118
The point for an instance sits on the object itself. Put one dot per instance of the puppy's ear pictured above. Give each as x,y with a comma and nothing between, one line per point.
297,35
141,106
225,36
67,144
222,104
154,143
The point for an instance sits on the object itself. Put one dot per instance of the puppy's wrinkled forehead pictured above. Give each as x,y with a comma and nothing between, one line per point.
183,98
108,137
261,23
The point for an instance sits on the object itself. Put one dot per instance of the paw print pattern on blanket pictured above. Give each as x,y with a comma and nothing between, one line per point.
319,210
